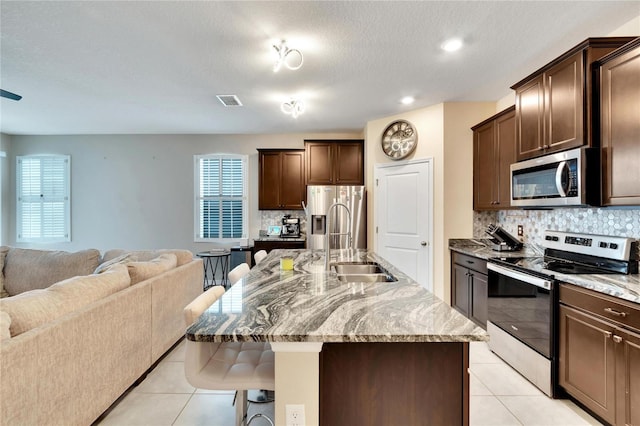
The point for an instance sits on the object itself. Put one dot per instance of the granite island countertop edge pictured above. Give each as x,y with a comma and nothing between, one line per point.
307,305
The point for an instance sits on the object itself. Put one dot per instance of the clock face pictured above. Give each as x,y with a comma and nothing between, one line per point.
399,140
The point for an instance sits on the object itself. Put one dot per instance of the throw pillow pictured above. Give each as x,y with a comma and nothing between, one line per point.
140,271
3,253
183,256
120,260
34,308
29,269
5,324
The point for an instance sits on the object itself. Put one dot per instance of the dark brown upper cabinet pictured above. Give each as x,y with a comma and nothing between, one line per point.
554,105
618,81
281,179
335,162
494,148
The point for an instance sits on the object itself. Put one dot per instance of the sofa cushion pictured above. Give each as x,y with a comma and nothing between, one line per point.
3,253
183,256
120,260
140,271
28,269
36,307
5,324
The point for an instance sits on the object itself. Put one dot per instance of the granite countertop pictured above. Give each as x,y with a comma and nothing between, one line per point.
311,305
626,287
274,238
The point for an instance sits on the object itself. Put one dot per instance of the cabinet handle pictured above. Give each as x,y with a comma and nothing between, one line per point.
514,327
616,313
470,262
617,339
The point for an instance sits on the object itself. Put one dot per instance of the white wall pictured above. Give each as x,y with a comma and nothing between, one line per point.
5,185
137,191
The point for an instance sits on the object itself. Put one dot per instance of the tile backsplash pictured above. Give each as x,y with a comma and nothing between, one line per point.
603,221
274,217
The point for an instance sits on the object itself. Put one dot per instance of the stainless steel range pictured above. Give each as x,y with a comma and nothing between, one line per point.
523,299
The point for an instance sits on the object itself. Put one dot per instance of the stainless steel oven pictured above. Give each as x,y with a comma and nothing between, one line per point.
522,317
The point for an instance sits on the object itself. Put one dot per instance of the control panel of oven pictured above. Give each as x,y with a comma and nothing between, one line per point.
618,248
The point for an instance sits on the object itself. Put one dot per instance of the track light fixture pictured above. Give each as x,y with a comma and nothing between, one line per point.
290,58
293,108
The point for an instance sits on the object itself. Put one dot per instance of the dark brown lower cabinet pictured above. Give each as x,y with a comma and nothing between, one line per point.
422,383
277,244
599,356
469,287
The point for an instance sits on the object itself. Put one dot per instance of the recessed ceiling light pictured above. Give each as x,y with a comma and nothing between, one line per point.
407,100
452,45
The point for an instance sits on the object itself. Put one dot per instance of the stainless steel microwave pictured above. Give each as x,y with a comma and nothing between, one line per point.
568,178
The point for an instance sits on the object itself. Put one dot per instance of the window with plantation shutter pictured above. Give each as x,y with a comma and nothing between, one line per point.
221,197
43,198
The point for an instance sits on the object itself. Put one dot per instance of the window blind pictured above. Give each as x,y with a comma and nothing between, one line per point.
43,198
221,197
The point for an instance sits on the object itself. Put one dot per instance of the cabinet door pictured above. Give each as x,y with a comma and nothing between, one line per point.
292,188
505,132
620,129
564,104
460,296
269,182
349,167
484,167
628,377
529,119
479,298
319,163
587,361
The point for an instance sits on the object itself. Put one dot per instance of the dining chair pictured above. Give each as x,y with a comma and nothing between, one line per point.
237,366
259,256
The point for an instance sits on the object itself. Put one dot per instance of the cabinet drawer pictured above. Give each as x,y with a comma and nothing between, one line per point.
602,305
475,263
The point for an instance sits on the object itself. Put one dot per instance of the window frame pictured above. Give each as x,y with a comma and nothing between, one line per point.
66,198
197,197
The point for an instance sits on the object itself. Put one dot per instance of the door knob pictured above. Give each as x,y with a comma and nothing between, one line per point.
423,243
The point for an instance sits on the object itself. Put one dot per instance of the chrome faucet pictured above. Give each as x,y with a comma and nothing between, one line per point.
328,233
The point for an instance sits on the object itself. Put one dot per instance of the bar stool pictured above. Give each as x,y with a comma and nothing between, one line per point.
259,256
237,273
237,366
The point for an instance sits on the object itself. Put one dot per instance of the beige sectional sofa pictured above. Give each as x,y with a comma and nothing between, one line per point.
71,343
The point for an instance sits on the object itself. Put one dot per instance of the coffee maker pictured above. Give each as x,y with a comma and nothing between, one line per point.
290,227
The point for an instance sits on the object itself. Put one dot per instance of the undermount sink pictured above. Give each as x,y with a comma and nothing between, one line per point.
348,268
362,272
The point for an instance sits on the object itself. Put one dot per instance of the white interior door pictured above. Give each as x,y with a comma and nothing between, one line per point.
404,217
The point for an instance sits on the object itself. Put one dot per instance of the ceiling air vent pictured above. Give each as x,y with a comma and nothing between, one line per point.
229,100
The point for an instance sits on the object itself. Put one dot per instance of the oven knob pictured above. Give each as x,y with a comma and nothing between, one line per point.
613,246
603,244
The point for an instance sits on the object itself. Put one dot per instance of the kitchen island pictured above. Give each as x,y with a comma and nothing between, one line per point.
381,353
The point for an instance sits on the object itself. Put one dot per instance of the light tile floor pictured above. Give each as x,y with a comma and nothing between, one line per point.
499,396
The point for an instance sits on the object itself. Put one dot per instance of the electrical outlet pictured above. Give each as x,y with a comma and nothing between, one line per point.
520,231
295,415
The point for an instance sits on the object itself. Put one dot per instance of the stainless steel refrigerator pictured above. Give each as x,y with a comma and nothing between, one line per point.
320,199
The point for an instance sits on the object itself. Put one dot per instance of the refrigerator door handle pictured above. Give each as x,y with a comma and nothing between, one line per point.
304,207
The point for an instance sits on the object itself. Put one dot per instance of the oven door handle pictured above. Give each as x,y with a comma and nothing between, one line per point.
529,279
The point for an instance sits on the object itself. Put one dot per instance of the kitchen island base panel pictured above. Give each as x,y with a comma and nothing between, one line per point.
394,383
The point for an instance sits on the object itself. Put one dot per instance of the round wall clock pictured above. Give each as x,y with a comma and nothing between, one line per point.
399,139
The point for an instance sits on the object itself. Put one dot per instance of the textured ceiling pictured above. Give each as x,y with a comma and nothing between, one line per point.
155,66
